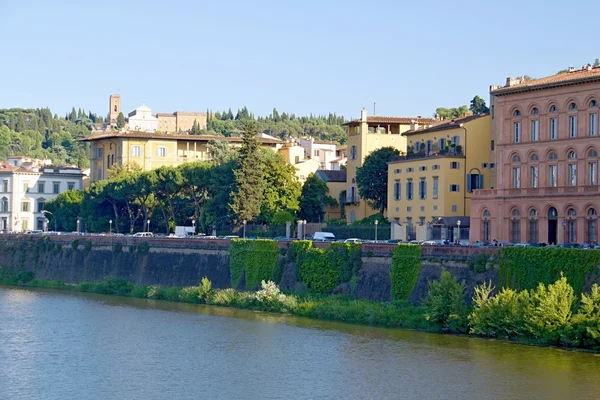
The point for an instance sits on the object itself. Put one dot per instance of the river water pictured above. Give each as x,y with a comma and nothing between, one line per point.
57,345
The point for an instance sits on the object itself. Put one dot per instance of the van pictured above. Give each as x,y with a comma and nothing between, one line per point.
323,237
143,234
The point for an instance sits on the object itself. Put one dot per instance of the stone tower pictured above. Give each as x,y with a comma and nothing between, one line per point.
115,107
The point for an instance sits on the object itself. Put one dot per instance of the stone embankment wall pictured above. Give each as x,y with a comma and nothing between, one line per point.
184,262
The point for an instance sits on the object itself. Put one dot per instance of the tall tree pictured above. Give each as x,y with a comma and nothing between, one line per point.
250,184
120,120
597,63
372,177
478,106
282,188
73,115
313,199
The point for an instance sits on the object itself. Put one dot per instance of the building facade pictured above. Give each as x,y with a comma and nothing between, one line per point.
336,183
180,121
24,193
545,147
366,135
142,120
322,151
154,150
295,155
430,188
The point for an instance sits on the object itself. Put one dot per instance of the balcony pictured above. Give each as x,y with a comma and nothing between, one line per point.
434,152
536,192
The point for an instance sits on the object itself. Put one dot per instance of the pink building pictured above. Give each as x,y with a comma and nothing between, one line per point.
544,170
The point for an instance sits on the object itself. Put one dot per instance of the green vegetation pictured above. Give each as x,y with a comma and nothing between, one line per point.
477,106
526,267
87,246
256,258
406,264
372,177
314,198
75,244
445,304
143,248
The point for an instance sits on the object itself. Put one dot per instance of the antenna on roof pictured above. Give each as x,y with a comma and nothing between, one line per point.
374,113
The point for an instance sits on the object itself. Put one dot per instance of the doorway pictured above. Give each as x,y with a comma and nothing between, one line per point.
552,226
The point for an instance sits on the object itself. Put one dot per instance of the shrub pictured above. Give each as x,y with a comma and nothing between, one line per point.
317,273
143,248
257,258
225,297
404,272
132,248
551,309
269,296
445,303
75,244
479,264
585,325
87,246
117,248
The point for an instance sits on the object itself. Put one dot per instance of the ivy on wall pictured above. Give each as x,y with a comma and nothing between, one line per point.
404,272
257,258
526,267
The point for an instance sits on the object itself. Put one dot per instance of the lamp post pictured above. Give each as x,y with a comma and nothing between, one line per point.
48,212
148,225
245,222
376,223
110,227
77,225
303,229
193,227
458,228
564,224
46,220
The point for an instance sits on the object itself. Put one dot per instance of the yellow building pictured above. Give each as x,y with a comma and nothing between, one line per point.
429,188
294,154
336,183
154,150
366,135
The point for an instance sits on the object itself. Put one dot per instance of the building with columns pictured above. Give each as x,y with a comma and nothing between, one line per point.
544,148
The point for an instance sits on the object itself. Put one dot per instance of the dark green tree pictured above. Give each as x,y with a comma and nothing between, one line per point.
195,128
313,199
65,209
73,115
597,63
120,120
478,106
250,184
282,188
372,177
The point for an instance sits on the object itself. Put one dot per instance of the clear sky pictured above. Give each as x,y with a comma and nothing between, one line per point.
298,56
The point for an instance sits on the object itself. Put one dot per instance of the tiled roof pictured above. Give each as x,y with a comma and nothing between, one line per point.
444,125
566,78
165,115
324,142
332,176
392,120
163,136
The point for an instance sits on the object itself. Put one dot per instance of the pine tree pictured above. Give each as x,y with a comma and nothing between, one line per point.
247,197
597,63
73,115
120,120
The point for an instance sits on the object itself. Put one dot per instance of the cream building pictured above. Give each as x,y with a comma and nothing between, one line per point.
142,120
322,151
295,155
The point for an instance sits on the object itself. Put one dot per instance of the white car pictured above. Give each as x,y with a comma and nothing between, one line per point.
353,240
432,243
143,234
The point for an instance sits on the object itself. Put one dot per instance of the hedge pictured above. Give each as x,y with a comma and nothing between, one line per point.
406,264
525,267
257,258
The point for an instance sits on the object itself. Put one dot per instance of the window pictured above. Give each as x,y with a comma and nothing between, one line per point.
435,187
99,173
517,113
594,124
534,176
592,173
396,171
552,156
492,111
409,208
516,158
516,177
25,187
572,106
487,214
593,104
422,209
41,187
485,228
55,187
409,190
397,190
572,226
552,176
572,126
474,182
25,225
108,161
422,168
435,208
135,151
553,129
552,109
316,153
454,208
410,169
70,185
492,145
456,140
515,234
535,130
535,111
534,158
422,189
161,151
572,155
25,206
100,153
592,153
4,204
572,174
455,188
435,167
5,186
353,152
454,165
41,205
532,234
592,228
516,132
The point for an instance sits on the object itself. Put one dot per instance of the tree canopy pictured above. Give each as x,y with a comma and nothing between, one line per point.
478,106
372,177
313,199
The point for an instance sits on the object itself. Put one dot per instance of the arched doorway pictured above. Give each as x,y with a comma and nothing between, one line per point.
552,226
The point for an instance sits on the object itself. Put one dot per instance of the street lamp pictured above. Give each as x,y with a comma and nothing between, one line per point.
194,227
458,226
77,225
244,222
376,223
110,227
304,229
564,224
148,225
46,220
48,212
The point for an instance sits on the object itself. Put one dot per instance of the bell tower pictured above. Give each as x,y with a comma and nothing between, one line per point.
115,108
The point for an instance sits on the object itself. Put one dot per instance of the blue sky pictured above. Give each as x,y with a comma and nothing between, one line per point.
299,56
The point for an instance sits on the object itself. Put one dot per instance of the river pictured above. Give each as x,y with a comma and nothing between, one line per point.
57,345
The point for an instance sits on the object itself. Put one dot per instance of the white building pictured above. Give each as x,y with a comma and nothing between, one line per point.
322,151
24,193
142,120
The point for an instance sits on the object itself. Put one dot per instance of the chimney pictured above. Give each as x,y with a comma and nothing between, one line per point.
512,81
437,116
589,67
414,125
363,115
571,69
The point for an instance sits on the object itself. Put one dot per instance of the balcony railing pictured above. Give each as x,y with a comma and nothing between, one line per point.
535,192
431,154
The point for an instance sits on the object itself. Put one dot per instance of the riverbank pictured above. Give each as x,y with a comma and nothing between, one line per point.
436,315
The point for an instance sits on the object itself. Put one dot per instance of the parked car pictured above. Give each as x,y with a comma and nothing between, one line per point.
229,237
36,232
394,241
323,237
144,234
353,240
415,242
433,243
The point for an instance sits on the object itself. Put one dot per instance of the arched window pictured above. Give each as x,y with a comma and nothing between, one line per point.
552,213
487,214
552,156
572,155
533,226
515,227
572,106
552,109
571,212
533,213
517,113
572,226
592,212
533,157
592,153
516,158
535,111
115,108
515,213
4,204
592,226
593,104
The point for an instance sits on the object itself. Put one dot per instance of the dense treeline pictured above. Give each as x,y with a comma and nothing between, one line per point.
212,194
40,134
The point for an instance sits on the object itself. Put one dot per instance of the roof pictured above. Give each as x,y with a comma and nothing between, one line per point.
584,75
165,115
331,176
199,114
445,125
163,136
324,142
392,120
